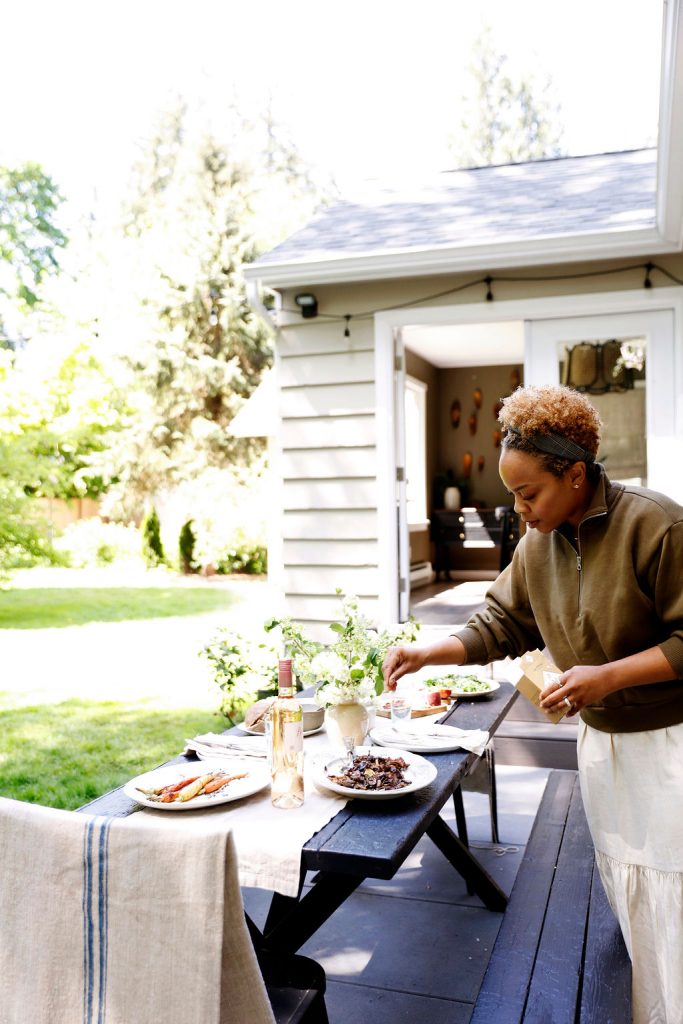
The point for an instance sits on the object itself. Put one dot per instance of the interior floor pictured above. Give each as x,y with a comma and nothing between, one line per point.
450,602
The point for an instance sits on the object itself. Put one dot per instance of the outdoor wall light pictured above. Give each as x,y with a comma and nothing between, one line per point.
308,304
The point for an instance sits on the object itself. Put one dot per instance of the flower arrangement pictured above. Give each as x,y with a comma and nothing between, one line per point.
350,668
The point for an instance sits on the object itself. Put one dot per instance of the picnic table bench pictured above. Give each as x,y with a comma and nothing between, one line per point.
559,957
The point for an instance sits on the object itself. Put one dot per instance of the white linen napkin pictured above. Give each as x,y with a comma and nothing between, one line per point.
474,740
213,744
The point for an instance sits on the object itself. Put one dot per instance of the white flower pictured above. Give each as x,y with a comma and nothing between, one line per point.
359,691
328,665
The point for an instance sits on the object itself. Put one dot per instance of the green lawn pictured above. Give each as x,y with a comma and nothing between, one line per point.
63,755
42,607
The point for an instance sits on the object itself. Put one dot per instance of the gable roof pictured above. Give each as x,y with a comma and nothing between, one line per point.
552,209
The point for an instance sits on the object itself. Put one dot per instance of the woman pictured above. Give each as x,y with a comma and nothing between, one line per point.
598,580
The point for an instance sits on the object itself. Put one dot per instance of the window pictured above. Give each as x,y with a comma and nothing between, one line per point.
416,451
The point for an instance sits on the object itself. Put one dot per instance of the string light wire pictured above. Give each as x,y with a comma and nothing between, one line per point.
489,280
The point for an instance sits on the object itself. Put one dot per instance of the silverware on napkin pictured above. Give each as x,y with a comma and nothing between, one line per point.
216,744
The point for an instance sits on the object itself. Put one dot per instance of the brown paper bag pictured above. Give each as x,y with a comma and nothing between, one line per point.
536,668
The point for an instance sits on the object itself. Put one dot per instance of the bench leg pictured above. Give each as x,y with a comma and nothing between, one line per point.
455,851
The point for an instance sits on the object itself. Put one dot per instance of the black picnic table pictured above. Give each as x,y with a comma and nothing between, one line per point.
371,839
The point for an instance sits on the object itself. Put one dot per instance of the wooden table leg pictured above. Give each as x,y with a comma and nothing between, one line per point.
488,891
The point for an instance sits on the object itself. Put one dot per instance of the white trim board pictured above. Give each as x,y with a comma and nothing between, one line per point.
587,304
408,263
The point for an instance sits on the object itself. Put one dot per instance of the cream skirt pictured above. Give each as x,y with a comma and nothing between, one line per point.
632,787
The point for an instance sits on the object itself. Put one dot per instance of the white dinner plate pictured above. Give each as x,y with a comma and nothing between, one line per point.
466,694
260,732
419,773
257,778
475,695
386,736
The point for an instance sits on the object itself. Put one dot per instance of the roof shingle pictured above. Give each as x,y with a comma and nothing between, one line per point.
567,196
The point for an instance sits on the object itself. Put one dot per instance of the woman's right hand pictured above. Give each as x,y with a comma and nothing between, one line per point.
399,662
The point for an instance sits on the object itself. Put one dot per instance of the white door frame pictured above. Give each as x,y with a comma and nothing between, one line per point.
529,309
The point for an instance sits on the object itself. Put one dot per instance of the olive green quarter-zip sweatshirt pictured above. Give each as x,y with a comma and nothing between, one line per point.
618,592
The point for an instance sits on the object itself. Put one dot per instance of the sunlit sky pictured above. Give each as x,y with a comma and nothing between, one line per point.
367,88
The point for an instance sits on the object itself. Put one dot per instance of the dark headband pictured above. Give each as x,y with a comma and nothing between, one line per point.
555,444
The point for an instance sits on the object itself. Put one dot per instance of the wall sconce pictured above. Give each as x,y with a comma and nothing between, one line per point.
308,304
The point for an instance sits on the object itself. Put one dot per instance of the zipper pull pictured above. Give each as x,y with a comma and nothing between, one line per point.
578,563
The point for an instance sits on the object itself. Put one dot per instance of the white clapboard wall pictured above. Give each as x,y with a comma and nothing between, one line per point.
328,464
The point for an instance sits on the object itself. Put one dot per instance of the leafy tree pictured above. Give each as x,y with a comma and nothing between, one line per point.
60,417
508,119
23,537
29,235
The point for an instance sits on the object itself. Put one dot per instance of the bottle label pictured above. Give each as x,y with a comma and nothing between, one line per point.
293,737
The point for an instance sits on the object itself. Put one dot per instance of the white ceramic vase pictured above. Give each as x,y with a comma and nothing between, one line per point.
347,720
451,498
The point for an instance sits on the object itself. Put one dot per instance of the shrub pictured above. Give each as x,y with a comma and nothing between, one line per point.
152,548
244,554
186,548
91,542
241,667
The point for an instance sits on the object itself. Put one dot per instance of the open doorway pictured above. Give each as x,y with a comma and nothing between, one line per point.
456,375
455,379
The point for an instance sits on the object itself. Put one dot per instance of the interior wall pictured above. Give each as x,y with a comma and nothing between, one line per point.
476,438
430,375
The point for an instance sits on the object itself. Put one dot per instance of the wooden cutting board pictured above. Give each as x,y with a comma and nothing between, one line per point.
417,712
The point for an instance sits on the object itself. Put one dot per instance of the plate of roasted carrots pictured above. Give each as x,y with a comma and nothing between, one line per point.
197,784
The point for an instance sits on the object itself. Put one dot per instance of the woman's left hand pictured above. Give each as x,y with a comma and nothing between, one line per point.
578,687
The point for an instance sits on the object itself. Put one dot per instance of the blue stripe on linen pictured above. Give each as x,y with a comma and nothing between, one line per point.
87,922
103,900
95,905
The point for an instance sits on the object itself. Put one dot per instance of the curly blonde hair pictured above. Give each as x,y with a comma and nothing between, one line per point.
550,409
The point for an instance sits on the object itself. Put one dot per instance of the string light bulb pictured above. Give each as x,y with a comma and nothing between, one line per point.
649,267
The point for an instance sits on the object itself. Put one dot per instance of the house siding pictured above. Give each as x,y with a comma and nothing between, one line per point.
328,465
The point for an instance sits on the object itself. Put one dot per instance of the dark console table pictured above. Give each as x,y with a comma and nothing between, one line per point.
473,527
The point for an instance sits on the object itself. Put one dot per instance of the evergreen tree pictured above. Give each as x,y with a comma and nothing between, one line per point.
508,119
152,548
193,221
186,548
